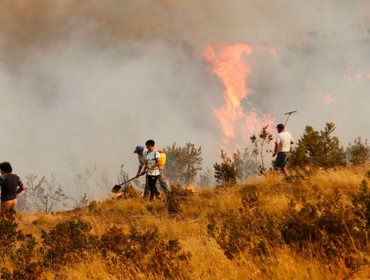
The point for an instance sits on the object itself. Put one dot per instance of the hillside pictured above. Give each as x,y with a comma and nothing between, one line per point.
313,226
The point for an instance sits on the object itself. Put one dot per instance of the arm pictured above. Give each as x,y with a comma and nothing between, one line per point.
275,149
142,164
139,170
21,188
277,143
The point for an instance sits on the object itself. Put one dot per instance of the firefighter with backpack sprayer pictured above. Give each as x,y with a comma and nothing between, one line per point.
152,166
163,179
142,158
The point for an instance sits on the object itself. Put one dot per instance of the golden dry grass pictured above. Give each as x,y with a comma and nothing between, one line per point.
190,228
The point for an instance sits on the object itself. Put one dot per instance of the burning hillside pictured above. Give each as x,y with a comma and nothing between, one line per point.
85,81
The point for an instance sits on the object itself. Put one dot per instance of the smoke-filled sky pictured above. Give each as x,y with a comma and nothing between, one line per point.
83,82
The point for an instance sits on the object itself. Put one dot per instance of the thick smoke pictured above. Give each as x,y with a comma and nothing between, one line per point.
83,82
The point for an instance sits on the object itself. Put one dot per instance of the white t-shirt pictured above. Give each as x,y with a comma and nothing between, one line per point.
151,158
283,140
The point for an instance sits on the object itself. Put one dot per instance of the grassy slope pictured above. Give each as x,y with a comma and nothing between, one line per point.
190,227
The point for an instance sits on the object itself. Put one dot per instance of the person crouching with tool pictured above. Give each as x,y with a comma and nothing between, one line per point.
152,166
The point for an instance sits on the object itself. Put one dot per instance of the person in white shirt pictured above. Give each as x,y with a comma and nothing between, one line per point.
282,148
163,181
152,166
141,155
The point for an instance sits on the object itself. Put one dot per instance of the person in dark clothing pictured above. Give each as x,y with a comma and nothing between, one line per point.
11,185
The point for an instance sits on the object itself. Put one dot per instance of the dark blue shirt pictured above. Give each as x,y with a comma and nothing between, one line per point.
9,185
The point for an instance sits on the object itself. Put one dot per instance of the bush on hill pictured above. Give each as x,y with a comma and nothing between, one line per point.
318,149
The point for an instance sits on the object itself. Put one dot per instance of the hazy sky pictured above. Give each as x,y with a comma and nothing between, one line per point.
83,82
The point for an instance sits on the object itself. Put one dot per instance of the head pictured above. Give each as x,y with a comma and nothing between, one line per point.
139,150
5,168
280,127
150,144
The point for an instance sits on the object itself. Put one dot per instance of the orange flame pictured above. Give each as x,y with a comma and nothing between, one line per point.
229,66
191,188
232,71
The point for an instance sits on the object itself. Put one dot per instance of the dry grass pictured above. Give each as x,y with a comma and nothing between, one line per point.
344,179
208,260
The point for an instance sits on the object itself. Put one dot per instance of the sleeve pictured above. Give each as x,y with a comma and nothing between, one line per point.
20,183
278,139
157,155
142,160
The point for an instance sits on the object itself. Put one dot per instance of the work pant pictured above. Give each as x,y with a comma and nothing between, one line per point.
151,181
147,189
163,181
6,205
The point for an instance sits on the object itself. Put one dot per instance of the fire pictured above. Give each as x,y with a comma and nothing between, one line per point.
117,195
229,66
191,188
232,71
308,168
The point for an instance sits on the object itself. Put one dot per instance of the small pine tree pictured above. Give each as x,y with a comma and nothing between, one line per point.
264,138
225,172
246,163
183,163
358,152
318,148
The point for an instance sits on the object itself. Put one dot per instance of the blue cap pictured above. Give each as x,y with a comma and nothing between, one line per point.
138,149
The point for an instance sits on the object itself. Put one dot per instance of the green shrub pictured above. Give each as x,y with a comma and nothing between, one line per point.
361,203
8,236
175,198
225,172
324,223
248,230
93,207
68,241
183,163
318,148
358,152
328,223
25,267
147,252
